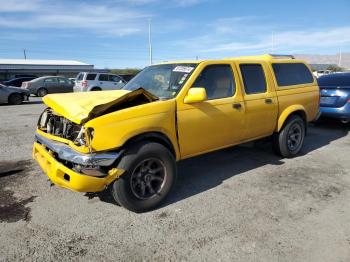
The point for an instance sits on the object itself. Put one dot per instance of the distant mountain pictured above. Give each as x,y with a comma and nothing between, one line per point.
326,59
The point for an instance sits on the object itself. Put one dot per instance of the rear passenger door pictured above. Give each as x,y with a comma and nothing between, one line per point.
64,85
261,105
103,82
51,84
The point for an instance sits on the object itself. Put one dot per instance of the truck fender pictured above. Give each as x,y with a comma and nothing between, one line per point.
287,112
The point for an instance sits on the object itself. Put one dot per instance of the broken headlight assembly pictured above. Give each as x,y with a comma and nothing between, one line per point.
57,125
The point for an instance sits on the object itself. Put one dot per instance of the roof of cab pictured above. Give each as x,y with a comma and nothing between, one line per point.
265,57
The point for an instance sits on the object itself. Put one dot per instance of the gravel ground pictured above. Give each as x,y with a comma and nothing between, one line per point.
239,204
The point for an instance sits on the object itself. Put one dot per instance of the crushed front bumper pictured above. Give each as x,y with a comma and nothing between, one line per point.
43,152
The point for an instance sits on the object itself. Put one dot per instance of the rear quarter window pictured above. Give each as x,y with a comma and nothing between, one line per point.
80,77
289,74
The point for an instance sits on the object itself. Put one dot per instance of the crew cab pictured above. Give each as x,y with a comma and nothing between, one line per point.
128,141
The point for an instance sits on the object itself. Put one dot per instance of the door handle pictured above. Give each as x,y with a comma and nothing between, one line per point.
268,101
237,106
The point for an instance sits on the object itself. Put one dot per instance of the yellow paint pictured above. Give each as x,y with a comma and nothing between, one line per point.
76,106
77,182
192,127
195,95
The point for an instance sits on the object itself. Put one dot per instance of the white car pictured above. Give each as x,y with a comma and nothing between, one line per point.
89,81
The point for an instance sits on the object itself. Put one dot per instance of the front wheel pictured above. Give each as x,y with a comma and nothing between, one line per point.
150,174
290,139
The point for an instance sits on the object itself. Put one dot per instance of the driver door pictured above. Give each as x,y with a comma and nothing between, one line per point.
217,122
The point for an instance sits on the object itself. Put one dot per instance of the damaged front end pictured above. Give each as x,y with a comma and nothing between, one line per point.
54,124
63,145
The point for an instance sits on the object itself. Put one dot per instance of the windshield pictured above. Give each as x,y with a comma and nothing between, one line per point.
163,81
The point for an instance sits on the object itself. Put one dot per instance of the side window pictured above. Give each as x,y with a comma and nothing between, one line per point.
114,78
217,80
103,77
62,81
288,74
91,77
253,78
80,77
51,80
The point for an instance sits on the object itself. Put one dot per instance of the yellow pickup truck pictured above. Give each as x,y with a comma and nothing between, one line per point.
128,141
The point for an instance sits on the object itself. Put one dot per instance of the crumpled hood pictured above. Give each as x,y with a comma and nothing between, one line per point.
82,107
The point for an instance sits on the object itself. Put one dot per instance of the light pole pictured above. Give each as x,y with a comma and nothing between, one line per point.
150,41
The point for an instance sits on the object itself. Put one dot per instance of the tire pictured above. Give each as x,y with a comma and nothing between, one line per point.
148,167
289,141
96,89
42,92
15,99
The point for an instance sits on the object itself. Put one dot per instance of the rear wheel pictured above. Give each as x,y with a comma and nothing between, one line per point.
15,99
290,139
42,92
150,173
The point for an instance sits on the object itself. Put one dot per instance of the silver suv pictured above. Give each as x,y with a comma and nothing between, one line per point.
88,81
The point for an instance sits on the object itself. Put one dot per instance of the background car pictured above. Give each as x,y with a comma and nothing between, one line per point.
13,95
87,81
17,81
48,84
322,72
335,96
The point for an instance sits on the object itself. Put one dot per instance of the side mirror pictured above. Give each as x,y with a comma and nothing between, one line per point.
195,95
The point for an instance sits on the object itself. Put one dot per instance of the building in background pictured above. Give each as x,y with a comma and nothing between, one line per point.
11,68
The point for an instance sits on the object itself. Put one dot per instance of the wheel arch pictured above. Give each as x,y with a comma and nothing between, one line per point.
14,93
41,87
155,136
298,110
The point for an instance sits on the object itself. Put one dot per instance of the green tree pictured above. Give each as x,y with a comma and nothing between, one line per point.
125,71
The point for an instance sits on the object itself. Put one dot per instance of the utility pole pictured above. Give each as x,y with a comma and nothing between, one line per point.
339,63
150,41
24,54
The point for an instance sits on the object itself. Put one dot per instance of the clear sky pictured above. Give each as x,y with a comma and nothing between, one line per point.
114,34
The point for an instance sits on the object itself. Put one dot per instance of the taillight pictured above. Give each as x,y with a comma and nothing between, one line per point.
349,100
84,83
26,84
